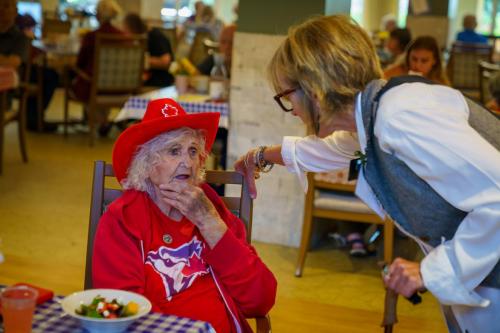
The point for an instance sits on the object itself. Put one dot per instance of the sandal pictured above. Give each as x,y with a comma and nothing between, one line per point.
355,240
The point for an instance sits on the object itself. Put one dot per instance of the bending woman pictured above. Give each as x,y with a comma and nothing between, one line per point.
430,161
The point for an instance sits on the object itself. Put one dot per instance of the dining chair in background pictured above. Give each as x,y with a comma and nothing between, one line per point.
9,114
462,67
336,200
102,196
117,75
486,71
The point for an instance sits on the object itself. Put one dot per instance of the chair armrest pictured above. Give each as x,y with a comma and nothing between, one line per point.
263,324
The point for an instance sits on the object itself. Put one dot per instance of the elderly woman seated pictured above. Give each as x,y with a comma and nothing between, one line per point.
169,236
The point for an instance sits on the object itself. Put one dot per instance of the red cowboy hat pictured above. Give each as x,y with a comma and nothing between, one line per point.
162,115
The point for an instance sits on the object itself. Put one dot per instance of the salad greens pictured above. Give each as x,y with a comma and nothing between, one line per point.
100,308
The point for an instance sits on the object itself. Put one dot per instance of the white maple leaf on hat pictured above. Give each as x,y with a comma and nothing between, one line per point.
169,111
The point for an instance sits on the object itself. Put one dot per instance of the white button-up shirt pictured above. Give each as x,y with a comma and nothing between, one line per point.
427,128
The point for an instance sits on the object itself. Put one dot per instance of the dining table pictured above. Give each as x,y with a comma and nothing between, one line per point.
135,107
59,53
50,318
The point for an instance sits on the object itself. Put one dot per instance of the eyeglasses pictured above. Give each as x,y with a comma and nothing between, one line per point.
283,100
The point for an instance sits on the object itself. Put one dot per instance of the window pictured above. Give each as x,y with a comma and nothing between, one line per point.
35,10
489,17
179,10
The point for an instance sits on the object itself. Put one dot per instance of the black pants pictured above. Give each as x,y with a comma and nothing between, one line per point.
50,83
221,152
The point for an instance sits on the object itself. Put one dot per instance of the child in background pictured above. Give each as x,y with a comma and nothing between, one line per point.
422,58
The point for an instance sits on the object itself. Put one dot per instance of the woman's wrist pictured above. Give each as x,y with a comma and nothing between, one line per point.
213,231
261,164
272,154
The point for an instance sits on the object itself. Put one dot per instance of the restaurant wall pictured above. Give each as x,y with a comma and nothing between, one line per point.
373,11
458,12
257,120
225,10
151,9
130,6
274,17
49,5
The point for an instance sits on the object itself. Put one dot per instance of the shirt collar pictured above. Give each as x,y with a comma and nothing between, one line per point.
359,123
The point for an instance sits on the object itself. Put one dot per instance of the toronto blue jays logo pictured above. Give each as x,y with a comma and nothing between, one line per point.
169,110
179,267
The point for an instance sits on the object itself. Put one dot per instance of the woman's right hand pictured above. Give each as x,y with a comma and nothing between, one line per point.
246,166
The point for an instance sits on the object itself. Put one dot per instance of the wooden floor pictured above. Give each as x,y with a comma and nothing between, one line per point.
44,209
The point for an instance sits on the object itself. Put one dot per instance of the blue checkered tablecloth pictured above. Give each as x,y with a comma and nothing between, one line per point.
135,107
49,318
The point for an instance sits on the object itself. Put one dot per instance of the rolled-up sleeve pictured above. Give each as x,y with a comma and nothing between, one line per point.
436,141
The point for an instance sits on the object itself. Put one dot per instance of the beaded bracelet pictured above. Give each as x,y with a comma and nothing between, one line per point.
260,162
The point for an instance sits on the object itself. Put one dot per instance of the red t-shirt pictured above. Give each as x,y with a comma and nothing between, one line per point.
166,267
138,248
176,275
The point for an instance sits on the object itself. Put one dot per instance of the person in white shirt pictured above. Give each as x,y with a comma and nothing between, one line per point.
431,162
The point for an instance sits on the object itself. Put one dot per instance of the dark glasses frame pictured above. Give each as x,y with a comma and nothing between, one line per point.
277,98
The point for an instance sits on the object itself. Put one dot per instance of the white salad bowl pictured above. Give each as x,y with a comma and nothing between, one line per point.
97,325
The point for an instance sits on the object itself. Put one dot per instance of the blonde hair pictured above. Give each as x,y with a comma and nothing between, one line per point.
149,154
331,58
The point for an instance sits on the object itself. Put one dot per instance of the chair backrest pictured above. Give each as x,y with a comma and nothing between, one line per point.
486,70
199,50
102,196
54,27
118,64
462,66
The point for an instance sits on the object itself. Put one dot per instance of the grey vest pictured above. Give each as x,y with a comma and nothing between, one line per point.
408,199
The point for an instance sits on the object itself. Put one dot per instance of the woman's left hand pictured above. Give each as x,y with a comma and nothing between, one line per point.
404,277
192,202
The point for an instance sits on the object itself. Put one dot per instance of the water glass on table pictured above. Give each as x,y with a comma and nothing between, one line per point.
18,307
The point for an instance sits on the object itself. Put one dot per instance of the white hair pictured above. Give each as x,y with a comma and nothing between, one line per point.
149,154
107,10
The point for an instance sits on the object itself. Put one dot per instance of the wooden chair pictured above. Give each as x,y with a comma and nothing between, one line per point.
102,196
339,205
7,117
486,70
462,68
25,90
117,75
